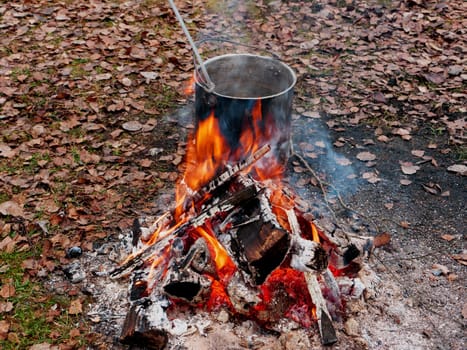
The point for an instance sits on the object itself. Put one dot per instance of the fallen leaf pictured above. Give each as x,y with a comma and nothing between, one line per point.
320,144
382,239
464,311
371,177
404,224
435,78
339,144
445,194
4,328
132,126
432,145
103,76
459,169
6,307
408,168
379,97
430,189
126,82
311,114
366,156
43,346
460,258
75,307
7,291
149,76
343,161
389,206
405,182
74,333
11,208
383,138
418,153
6,151
448,237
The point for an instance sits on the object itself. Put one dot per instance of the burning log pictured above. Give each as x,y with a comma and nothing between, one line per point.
185,280
225,177
261,243
326,329
211,211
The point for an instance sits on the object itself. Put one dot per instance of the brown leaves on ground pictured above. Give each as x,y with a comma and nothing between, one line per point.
83,87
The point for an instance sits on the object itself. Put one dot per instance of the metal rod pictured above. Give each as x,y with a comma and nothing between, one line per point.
210,85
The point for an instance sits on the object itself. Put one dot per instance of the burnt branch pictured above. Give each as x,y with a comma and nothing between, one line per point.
208,213
326,328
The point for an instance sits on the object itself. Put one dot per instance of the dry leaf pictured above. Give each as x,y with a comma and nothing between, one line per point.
312,114
371,177
320,144
408,168
126,82
405,182
7,291
464,311
383,138
11,208
459,169
6,151
132,126
448,237
4,328
435,78
379,97
418,153
404,224
75,307
430,189
6,307
366,156
44,346
339,144
343,161
460,258
382,239
389,206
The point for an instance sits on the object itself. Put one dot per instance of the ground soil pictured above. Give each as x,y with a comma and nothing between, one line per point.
94,129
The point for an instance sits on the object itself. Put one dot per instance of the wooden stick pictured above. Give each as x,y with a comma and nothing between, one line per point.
326,329
211,211
226,176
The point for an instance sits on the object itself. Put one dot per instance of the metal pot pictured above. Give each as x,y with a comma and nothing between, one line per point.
241,80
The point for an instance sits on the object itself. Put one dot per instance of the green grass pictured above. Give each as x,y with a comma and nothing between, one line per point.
31,306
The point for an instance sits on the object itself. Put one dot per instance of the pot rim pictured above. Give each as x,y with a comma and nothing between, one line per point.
213,59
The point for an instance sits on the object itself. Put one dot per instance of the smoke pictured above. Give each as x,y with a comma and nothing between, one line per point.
312,140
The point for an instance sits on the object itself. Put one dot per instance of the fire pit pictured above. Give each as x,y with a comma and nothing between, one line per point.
235,240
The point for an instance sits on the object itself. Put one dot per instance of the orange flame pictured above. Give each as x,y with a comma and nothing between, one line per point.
224,264
189,88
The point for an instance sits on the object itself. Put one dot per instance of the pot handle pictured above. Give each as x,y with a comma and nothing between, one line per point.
225,40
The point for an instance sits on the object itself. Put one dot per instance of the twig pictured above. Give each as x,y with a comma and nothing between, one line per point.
339,197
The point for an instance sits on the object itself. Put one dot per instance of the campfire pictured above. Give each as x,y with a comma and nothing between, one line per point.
235,238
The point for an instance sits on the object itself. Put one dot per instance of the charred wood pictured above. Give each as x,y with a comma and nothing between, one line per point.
211,211
185,280
325,326
137,330
225,177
